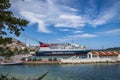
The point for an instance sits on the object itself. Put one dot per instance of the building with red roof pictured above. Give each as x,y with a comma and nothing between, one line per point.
103,54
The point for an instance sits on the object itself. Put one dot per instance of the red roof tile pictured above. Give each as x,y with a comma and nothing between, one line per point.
105,53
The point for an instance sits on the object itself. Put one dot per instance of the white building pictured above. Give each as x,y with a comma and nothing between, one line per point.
103,54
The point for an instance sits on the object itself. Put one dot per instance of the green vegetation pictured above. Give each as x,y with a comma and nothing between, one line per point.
5,77
5,51
9,21
9,24
113,49
25,50
108,49
4,41
16,50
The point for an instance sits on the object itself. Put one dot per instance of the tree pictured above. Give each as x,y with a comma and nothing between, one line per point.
9,21
26,50
15,50
6,52
5,41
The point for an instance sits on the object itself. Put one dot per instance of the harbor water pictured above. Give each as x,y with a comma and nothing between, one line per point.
101,71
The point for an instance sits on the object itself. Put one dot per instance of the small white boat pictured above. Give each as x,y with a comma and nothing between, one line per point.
11,62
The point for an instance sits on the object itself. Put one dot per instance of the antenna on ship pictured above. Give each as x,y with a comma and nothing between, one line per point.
102,47
72,41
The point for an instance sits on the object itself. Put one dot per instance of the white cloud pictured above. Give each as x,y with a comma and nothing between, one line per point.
111,32
34,19
77,36
106,15
73,31
65,30
47,12
103,18
71,9
70,21
78,31
85,35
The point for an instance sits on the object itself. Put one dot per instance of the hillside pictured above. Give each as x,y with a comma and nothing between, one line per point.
113,49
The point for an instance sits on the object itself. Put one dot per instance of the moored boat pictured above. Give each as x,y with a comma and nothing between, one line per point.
11,62
61,49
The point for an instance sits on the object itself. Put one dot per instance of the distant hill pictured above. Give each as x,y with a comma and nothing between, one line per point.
113,49
107,49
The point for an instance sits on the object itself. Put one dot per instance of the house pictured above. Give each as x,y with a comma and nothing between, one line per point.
103,54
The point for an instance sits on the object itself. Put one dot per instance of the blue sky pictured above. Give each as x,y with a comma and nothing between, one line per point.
93,23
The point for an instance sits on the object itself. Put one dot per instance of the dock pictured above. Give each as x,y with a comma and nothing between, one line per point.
83,61
41,62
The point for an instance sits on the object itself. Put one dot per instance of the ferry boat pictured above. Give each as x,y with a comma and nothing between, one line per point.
61,49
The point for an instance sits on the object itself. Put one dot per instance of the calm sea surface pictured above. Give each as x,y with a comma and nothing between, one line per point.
102,71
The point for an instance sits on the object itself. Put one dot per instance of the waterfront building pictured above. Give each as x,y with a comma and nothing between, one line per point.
103,54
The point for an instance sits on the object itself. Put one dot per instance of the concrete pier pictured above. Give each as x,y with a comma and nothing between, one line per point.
82,61
41,62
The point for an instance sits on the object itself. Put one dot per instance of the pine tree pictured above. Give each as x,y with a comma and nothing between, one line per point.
9,21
